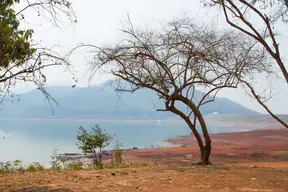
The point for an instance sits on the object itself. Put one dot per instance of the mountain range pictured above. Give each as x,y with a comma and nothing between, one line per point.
101,102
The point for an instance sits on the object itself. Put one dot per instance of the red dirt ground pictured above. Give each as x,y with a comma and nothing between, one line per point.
260,145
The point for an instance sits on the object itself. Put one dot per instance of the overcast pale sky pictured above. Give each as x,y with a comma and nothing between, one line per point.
99,21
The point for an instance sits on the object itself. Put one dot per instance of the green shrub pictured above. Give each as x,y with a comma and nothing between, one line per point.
259,153
118,151
55,161
17,165
281,156
74,166
11,166
35,166
6,167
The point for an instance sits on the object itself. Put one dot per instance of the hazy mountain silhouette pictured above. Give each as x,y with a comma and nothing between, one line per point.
103,103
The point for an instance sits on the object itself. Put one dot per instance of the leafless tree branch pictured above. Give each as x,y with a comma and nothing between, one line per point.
237,16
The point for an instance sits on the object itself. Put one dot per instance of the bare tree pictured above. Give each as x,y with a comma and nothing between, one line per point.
176,60
238,14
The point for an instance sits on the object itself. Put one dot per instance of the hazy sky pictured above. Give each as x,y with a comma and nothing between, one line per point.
99,21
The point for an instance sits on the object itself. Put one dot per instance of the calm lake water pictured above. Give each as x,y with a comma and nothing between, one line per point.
36,139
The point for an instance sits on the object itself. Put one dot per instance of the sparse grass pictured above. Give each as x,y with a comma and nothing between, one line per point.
116,166
131,165
74,166
9,167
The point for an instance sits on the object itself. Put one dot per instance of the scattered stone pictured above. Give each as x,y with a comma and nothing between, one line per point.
166,179
113,174
253,178
252,166
232,154
124,173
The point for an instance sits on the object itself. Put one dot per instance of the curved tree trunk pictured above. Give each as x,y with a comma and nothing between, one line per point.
198,138
205,150
205,154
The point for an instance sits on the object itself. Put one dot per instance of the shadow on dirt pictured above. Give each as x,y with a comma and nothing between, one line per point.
42,189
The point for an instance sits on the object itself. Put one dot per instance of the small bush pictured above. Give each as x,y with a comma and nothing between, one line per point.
74,166
257,154
6,167
55,161
17,165
11,166
35,166
118,151
281,156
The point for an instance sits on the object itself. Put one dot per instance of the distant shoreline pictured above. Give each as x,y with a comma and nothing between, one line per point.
84,119
231,138
210,118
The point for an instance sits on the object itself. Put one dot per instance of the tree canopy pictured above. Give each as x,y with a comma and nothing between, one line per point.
15,44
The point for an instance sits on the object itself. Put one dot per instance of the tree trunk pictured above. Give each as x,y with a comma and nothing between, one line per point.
100,156
198,137
206,149
205,155
95,162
